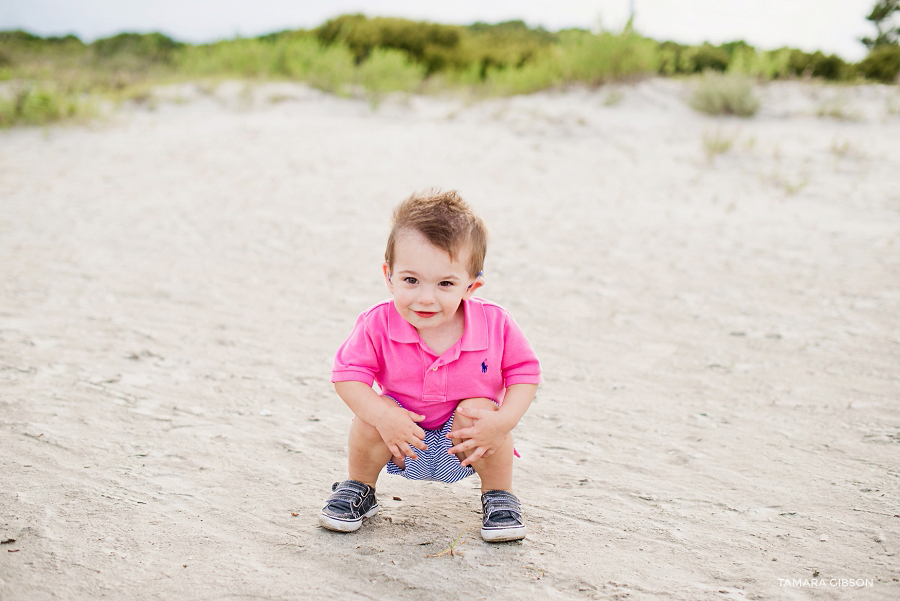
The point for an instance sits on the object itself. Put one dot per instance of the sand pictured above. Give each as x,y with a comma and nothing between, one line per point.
720,337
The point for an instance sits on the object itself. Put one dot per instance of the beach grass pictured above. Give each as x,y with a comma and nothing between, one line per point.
725,94
717,142
50,78
27,103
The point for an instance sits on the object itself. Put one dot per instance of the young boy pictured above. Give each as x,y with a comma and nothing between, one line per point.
455,372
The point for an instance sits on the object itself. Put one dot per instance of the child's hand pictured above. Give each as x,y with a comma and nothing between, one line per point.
483,437
400,433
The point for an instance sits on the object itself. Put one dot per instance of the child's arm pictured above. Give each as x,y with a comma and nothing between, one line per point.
396,425
491,427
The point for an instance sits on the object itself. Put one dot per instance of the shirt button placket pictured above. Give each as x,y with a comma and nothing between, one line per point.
435,383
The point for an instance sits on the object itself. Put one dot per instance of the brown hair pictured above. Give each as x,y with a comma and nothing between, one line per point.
446,221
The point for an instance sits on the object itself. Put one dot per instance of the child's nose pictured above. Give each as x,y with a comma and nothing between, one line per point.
426,295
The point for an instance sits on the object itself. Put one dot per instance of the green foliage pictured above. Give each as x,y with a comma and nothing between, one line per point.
20,47
511,44
677,58
883,61
429,44
817,64
297,56
595,59
882,64
380,55
242,57
39,105
388,70
135,49
722,94
740,57
440,48
578,56
881,14
708,58
533,76
764,65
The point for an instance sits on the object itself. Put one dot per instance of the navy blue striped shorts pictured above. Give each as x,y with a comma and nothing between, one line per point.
435,463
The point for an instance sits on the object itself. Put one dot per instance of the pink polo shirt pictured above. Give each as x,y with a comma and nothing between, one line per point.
384,348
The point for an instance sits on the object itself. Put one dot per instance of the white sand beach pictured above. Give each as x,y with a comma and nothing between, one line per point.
720,339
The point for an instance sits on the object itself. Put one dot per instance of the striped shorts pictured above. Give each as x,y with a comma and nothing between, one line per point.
435,463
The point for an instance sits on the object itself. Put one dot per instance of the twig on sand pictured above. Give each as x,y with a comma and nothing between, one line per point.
540,575
451,550
890,515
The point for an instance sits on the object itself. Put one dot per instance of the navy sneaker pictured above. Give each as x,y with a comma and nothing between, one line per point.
349,503
501,517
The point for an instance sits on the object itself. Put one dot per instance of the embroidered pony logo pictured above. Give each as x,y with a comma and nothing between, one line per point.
484,367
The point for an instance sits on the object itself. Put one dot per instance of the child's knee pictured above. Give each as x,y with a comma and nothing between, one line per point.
460,420
363,432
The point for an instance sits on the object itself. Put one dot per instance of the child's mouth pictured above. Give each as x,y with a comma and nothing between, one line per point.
425,314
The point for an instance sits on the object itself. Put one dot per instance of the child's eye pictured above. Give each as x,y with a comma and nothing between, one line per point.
410,280
445,284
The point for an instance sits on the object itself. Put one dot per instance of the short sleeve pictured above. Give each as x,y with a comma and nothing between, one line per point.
356,359
520,365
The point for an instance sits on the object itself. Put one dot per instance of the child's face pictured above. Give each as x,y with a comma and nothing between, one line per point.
427,284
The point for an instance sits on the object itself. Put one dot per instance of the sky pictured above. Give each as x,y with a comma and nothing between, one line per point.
833,26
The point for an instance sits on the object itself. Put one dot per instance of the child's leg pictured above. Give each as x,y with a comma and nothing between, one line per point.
495,471
368,453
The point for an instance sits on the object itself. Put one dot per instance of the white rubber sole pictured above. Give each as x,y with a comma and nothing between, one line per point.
500,535
344,526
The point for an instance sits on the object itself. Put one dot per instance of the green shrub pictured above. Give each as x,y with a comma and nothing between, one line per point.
428,44
28,53
539,74
766,65
388,70
331,69
595,59
709,58
579,56
676,58
511,44
830,67
667,56
720,94
294,56
882,64
245,57
142,47
816,64
798,63
440,48
39,105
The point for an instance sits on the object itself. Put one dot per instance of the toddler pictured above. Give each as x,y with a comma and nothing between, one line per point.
455,372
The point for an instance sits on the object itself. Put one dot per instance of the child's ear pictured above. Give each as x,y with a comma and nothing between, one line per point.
478,283
386,269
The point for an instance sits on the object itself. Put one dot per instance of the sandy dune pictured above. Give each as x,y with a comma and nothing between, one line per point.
720,338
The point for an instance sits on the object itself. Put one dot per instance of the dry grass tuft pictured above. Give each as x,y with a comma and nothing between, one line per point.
837,108
717,142
721,94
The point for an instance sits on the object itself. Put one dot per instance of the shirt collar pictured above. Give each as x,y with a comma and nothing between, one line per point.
400,330
474,337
